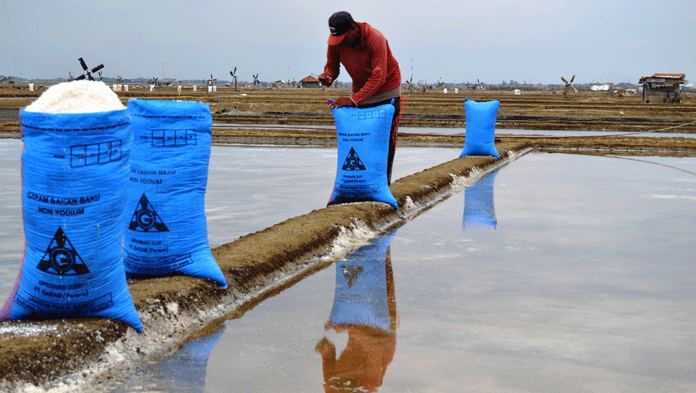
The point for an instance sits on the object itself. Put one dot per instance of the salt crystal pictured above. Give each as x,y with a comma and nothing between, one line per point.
77,97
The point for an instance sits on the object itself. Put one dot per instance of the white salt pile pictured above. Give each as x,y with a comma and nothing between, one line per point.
77,97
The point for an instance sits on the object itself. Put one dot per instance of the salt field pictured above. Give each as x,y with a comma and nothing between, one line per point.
555,273
249,189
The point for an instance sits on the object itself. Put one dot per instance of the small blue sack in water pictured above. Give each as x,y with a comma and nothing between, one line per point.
480,128
75,170
167,232
363,145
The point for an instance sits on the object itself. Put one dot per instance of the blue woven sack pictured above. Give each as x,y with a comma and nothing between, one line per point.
480,128
363,144
167,231
75,170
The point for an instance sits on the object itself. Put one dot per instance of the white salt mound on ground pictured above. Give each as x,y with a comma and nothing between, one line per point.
77,97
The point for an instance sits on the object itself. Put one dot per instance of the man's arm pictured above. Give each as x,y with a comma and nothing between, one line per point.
332,68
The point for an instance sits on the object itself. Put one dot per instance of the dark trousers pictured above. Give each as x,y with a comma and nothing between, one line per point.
398,109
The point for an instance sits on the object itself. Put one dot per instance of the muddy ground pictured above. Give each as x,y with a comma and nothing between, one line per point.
537,110
175,309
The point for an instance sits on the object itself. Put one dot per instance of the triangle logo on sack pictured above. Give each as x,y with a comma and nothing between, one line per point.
61,258
351,274
145,218
352,162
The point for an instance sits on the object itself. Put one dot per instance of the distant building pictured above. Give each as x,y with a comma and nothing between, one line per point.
662,88
310,81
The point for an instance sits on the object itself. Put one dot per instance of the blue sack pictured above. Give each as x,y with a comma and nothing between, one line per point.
363,145
167,232
75,170
478,203
365,288
480,128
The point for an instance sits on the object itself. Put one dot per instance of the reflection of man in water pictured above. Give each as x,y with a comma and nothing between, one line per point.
363,363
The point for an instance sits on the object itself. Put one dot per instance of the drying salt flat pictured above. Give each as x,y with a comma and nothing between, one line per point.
584,283
574,273
249,189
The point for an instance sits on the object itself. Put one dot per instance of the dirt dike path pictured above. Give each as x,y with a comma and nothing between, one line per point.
80,354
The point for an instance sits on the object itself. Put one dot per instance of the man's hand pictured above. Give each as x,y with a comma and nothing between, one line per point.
325,79
341,102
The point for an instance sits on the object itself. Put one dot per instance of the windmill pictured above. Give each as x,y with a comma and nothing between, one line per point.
568,86
88,73
256,79
154,81
234,76
479,85
440,85
410,84
70,77
100,76
211,83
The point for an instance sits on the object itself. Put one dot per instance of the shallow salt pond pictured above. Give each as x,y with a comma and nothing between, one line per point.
249,189
556,273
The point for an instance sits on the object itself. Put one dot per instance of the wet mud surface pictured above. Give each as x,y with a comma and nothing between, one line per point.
175,309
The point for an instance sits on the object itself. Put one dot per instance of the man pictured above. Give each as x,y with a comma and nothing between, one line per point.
365,54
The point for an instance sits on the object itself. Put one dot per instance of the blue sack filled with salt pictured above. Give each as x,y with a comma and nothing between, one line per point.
478,203
364,293
480,128
363,145
167,232
75,170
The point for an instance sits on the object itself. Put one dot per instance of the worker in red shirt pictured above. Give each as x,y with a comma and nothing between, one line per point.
365,54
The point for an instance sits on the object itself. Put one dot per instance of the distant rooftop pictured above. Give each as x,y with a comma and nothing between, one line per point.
309,79
657,78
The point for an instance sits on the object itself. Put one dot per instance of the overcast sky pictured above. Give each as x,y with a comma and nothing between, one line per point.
536,41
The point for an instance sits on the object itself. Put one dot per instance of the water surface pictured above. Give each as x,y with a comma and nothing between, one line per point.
249,189
557,273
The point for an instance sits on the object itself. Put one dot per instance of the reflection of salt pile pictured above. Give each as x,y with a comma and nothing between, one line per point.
77,97
75,167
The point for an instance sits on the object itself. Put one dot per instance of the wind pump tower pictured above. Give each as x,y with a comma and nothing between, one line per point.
211,84
568,86
88,73
234,76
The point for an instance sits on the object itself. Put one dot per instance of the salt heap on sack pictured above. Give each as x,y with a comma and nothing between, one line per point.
77,97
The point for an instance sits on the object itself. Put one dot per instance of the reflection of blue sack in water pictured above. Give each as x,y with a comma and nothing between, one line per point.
167,230
363,145
75,170
478,202
480,128
187,367
362,295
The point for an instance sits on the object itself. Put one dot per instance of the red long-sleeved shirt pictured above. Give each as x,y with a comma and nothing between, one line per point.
370,64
